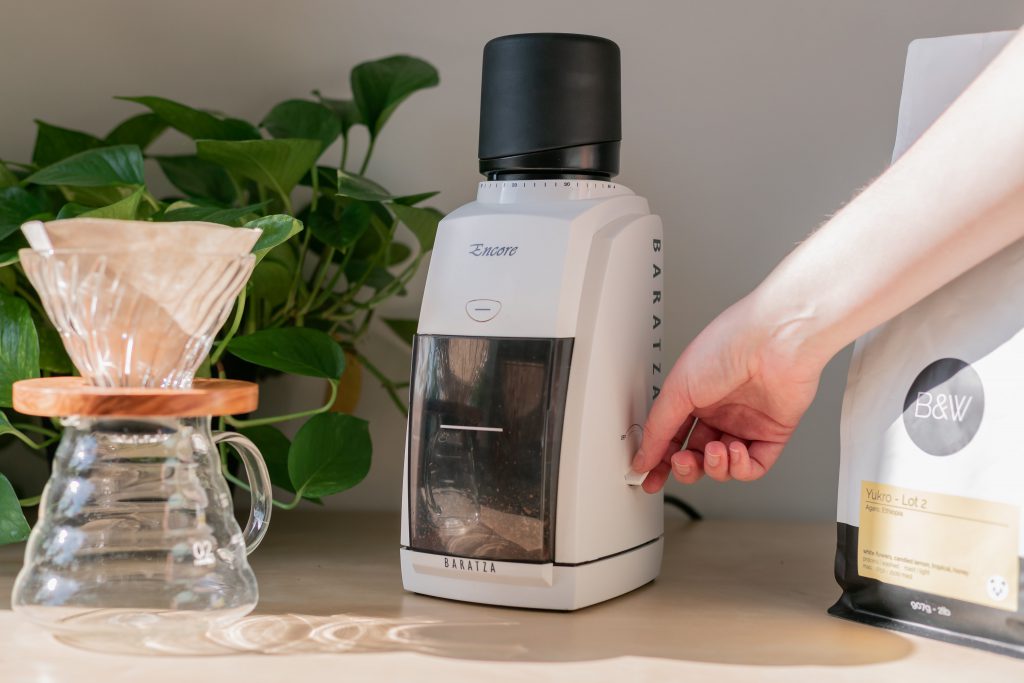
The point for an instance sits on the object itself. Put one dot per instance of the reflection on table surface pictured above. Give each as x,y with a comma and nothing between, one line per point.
730,592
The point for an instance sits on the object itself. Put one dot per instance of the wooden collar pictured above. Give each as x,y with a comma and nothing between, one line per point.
61,396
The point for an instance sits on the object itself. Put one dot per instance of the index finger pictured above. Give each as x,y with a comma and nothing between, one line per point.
670,411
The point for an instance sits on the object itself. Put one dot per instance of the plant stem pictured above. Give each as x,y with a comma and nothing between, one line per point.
315,181
329,289
356,287
25,167
318,279
29,502
344,151
388,385
287,202
258,421
342,317
223,345
151,200
363,326
369,153
17,434
337,276
289,506
245,487
293,290
237,187
36,429
393,287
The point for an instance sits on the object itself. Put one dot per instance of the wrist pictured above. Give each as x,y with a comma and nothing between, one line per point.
790,327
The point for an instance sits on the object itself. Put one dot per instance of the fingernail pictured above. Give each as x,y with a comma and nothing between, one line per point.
636,461
683,470
734,452
712,459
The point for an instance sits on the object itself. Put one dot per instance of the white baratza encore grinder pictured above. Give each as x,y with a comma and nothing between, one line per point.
538,351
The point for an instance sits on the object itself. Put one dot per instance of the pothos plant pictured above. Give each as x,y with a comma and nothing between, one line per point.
331,252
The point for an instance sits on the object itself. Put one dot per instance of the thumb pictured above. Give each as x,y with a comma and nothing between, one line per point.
670,410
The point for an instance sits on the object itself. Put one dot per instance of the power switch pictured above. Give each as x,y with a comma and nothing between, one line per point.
482,310
634,478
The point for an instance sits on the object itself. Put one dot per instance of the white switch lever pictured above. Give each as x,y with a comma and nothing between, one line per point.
635,478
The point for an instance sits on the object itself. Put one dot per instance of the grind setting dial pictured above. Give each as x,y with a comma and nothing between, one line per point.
520,191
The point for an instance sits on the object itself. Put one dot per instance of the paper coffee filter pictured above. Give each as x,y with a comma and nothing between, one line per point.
101,233
137,303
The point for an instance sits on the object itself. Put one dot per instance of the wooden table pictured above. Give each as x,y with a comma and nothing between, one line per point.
737,601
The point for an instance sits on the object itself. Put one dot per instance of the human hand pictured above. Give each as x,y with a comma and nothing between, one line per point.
746,383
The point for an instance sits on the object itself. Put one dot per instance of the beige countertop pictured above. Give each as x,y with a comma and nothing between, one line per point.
736,601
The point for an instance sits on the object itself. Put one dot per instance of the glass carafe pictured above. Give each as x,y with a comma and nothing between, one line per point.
136,533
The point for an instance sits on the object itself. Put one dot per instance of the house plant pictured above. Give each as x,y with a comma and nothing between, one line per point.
332,250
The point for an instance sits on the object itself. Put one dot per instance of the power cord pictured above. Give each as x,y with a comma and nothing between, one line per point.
686,508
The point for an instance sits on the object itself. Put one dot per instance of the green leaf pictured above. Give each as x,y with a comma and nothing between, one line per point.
198,178
52,356
103,167
277,229
195,123
8,279
378,87
412,199
405,329
344,232
296,350
54,143
182,211
19,345
330,453
95,196
17,205
359,187
328,177
276,164
127,209
5,425
9,248
270,282
345,111
7,177
421,221
13,525
141,130
273,446
398,252
303,119
72,210
371,242
287,256
377,278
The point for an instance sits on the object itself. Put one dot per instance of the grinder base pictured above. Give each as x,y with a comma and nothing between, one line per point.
535,586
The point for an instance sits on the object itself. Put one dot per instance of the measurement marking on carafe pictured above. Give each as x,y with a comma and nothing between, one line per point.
473,429
202,552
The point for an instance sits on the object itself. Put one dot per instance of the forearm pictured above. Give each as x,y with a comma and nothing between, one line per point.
954,199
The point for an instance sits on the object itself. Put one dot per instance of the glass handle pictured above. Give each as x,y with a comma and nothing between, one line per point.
259,484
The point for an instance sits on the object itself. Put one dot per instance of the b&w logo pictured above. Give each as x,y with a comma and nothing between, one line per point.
944,406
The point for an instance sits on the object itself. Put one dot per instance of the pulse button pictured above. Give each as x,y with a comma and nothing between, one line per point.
482,310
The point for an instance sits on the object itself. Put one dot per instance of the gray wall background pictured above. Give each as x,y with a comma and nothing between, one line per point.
746,124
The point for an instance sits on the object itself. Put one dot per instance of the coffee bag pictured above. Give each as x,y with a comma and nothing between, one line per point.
930,536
